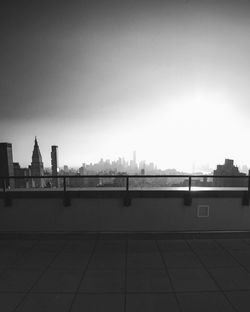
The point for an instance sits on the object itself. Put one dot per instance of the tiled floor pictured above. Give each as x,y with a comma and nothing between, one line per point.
124,275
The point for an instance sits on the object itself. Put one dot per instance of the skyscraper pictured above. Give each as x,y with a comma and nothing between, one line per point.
6,163
21,172
37,166
228,169
134,157
54,164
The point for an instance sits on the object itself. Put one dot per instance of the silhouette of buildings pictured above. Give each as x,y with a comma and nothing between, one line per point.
109,167
228,169
37,166
6,163
54,164
21,172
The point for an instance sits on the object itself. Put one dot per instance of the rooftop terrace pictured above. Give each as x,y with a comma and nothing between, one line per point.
125,249
133,207
69,274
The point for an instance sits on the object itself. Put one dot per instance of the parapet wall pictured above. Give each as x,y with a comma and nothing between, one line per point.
110,215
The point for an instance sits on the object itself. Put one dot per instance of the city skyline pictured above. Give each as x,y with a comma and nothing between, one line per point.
128,155
121,164
169,79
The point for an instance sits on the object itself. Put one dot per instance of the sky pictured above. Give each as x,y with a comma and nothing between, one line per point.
169,79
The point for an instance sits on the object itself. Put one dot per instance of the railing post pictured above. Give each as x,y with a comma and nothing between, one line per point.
246,195
4,186
189,183
127,199
7,199
127,183
66,199
248,190
64,185
188,197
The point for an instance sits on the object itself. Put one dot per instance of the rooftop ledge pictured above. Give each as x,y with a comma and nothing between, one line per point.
130,187
127,196
187,210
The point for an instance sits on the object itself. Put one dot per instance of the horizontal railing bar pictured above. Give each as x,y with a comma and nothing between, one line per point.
124,176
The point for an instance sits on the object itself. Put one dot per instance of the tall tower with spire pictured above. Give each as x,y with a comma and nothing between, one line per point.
37,166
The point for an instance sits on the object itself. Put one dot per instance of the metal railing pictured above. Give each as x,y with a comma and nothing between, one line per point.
126,182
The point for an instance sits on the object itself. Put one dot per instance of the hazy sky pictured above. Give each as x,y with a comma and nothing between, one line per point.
170,79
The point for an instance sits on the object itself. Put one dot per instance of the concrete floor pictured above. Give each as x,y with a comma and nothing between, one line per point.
124,275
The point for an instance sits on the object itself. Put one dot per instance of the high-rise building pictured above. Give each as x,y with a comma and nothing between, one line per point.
66,169
21,172
54,164
134,157
228,169
37,166
6,163
82,170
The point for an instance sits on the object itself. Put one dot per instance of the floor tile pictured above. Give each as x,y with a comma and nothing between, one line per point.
247,241
231,278
17,245
205,302
147,280
18,280
58,280
48,246
70,260
243,257
35,260
151,302
234,244
173,246
111,246
181,260
9,257
114,260
26,244
46,303
111,242
191,280
8,301
240,300
144,246
78,246
22,265
204,246
104,280
98,303
214,259
144,260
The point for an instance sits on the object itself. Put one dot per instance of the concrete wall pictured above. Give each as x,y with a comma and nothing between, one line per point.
109,214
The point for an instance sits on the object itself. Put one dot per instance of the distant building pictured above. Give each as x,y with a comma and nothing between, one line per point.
21,172
142,171
245,169
134,158
82,170
79,181
6,163
54,164
120,182
228,169
65,169
142,164
37,166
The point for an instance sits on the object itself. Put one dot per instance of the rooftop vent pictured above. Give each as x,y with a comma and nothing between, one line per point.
203,211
